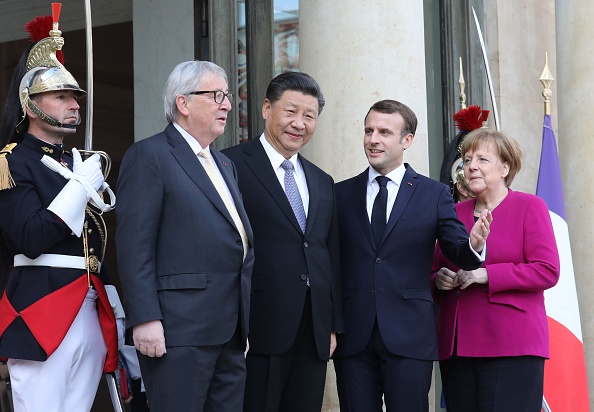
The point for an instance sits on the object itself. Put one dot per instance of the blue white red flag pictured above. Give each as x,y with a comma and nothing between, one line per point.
566,385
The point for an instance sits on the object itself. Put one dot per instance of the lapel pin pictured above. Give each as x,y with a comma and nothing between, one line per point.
409,183
224,163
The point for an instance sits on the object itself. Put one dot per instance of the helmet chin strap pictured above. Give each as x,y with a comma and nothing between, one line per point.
48,119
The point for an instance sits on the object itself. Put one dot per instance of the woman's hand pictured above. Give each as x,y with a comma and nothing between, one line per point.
446,279
466,278
480,231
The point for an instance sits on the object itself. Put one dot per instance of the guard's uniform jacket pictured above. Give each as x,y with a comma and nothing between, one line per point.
40,302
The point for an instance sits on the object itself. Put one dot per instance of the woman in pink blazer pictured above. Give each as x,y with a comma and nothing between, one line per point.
492,326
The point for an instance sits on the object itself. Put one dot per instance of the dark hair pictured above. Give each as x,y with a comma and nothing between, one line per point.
295,81
507,148
393,106
12,114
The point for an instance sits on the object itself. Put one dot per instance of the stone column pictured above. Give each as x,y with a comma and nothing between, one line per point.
162,39
575,60
515,68
361,51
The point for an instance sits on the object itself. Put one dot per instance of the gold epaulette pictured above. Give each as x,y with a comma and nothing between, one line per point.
6,181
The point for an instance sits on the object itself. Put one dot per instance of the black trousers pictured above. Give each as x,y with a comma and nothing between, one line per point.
503,384
290,382
139,402
368,378
196,378
5,390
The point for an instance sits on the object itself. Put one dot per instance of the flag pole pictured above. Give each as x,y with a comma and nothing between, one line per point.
546,78
462,96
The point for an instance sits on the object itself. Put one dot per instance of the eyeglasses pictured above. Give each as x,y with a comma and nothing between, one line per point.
218,95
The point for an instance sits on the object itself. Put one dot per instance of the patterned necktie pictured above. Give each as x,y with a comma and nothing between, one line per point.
218,184
379,211
293,195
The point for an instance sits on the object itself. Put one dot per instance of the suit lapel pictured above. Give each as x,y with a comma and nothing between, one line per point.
226,169
313,187
257,160
186,158
405,191
360,202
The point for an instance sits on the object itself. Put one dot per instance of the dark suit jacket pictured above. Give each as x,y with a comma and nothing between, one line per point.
393,282
285,257
180,255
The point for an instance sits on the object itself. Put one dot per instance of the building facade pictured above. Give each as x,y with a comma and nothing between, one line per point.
360,51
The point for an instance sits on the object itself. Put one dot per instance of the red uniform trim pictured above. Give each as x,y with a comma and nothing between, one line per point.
108,326
49,330
7,313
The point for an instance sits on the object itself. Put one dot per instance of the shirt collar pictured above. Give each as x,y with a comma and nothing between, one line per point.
196,148
395,175
275,157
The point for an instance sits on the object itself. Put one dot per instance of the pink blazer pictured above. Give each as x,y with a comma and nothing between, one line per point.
506,316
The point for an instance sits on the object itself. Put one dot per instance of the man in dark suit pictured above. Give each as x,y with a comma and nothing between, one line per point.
389,219
295,310
184,251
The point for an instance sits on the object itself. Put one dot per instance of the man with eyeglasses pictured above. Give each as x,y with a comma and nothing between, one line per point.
185,254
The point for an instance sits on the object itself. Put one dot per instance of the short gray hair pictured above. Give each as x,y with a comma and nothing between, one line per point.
185,78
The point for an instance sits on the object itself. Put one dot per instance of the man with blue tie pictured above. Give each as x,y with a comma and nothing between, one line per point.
389,218
295,306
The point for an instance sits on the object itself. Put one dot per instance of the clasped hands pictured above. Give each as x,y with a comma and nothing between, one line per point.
447,279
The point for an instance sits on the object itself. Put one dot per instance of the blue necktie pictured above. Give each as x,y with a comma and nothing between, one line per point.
293,195
378,213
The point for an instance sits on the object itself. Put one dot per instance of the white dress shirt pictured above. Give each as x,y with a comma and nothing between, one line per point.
276,159
393,185
196,148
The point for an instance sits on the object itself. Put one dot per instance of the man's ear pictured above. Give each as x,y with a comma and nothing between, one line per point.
181,102
407,141
28,111
30,114
266,107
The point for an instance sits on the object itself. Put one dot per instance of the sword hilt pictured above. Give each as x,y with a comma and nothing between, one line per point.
105,159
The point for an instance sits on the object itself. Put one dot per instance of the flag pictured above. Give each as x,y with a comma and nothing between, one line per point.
566,385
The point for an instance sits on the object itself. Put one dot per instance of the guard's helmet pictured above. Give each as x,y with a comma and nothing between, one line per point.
452,167
46,79
45,71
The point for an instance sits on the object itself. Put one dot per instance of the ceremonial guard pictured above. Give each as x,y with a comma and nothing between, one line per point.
57,325
467,119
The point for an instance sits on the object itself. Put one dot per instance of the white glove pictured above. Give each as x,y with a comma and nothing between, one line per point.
90,169
69,205
121,332
118,311
62,201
